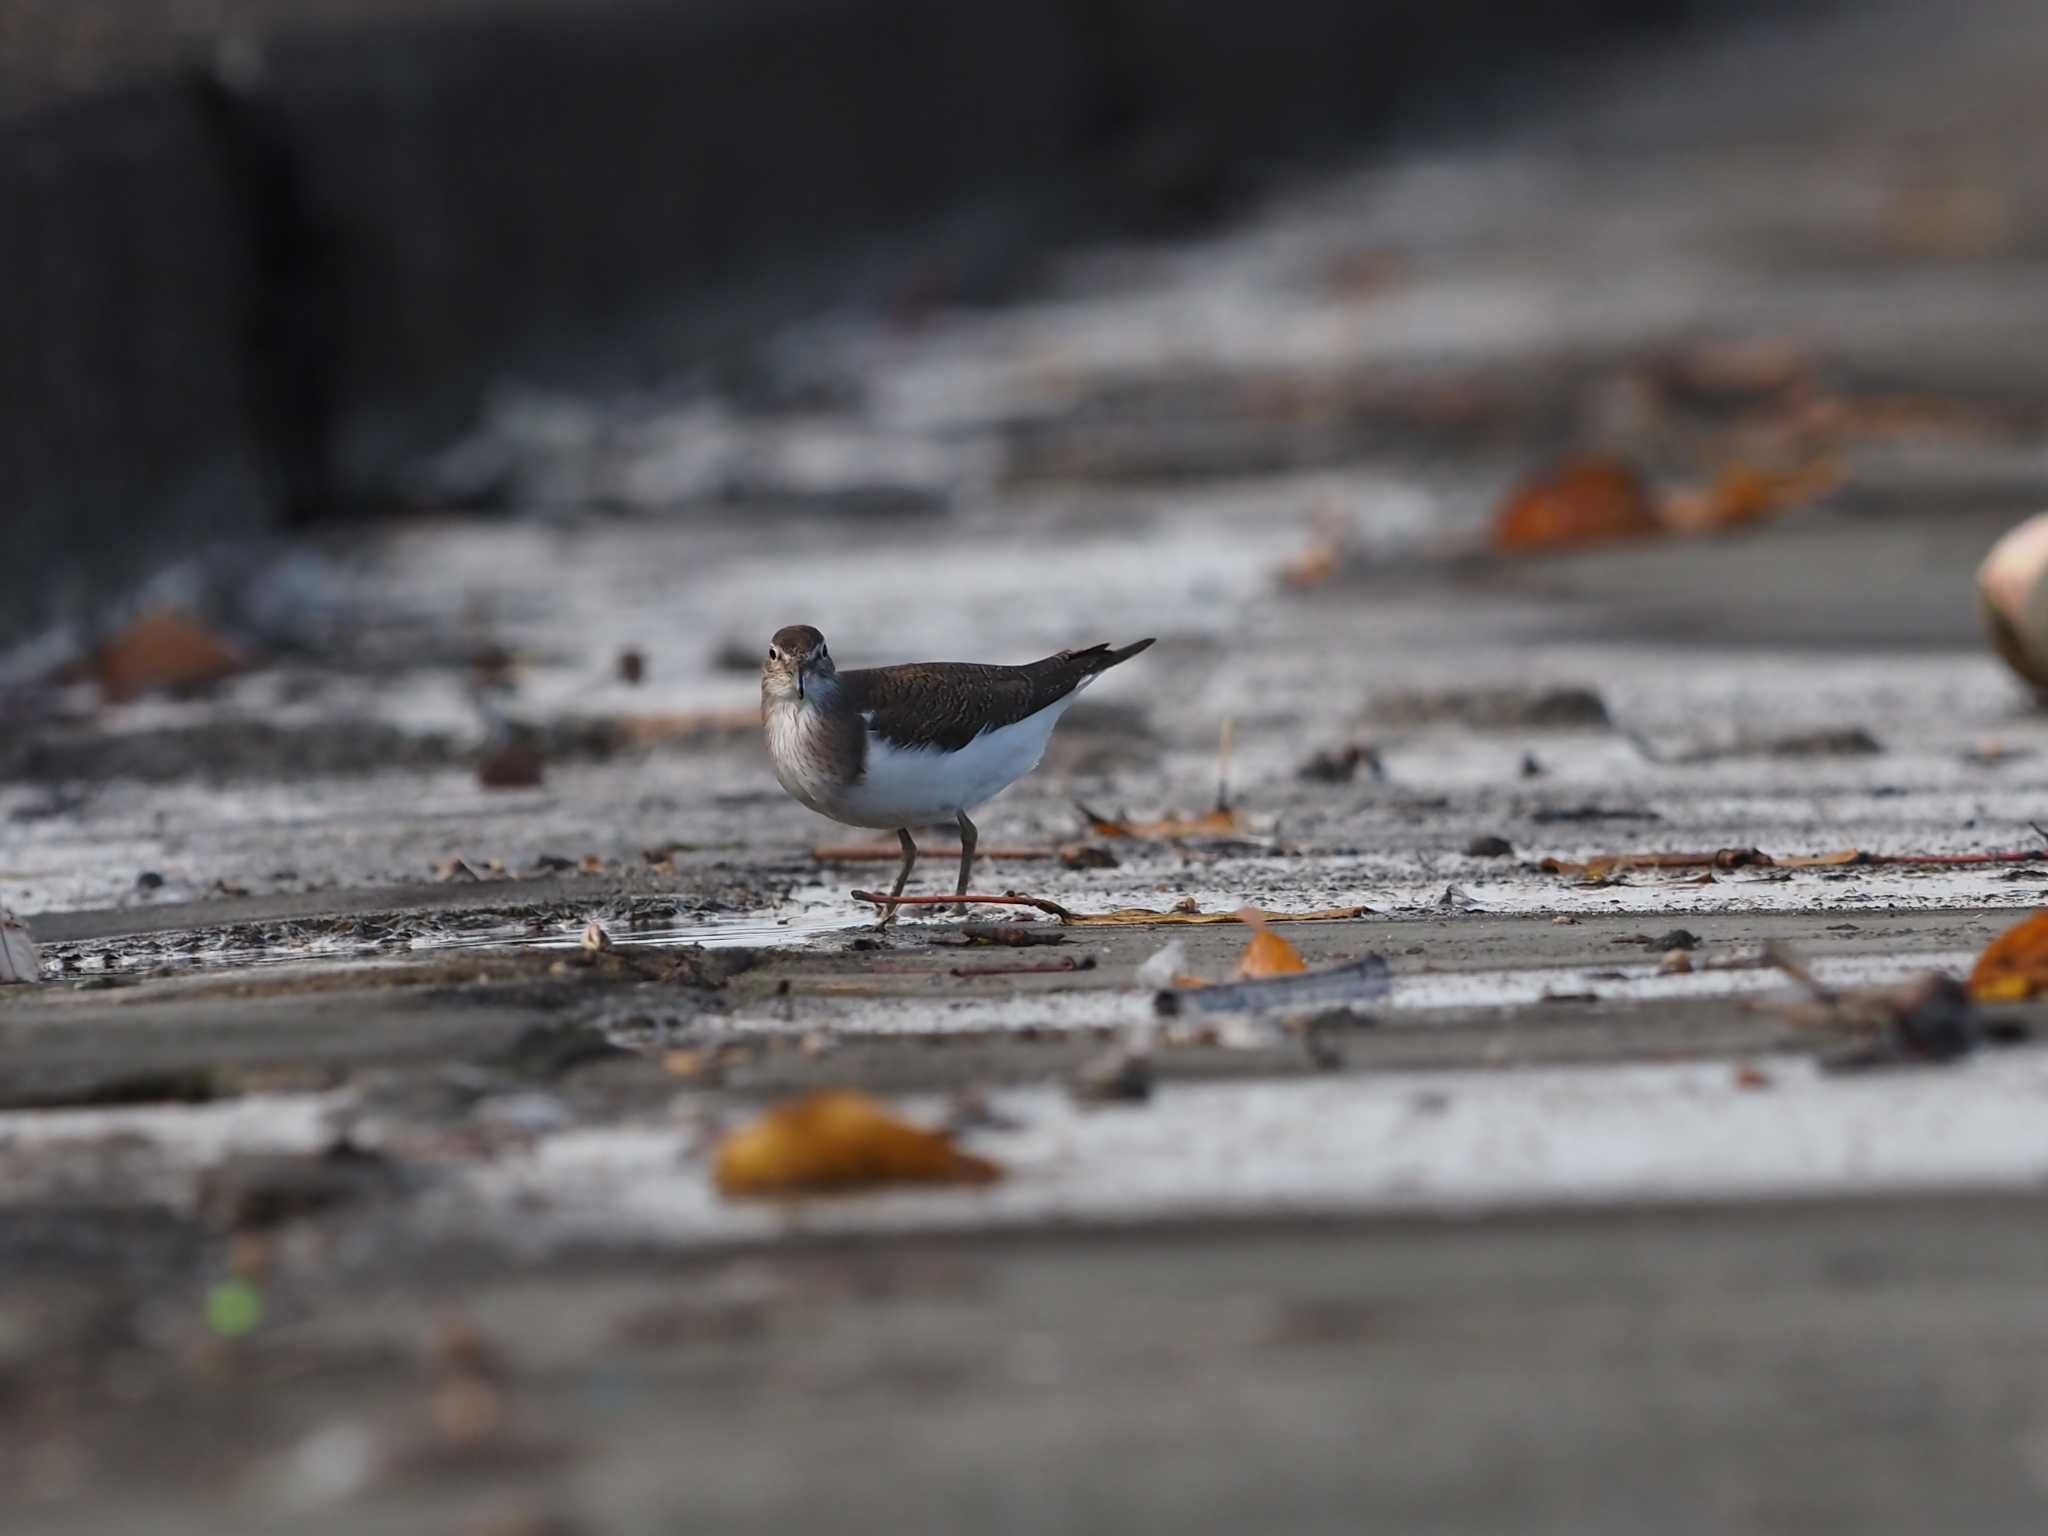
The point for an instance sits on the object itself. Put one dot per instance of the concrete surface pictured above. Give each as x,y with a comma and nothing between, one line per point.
1549,1239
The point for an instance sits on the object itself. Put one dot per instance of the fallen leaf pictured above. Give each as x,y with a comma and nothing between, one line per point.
1586,501
1820,860
1223,821
1745,494
837,1141
2014,965
516,765
1267,954
162,649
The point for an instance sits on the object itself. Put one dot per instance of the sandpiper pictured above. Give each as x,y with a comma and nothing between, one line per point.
902,747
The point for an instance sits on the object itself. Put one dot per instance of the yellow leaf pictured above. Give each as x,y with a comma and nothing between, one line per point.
837,1141
2014,965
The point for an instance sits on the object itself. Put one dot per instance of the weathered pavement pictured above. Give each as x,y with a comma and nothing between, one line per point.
1556,1242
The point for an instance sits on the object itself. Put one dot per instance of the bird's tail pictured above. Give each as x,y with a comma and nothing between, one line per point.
1100,658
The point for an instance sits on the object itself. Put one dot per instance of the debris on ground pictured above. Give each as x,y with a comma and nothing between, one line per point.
511,765
1340,765
162,651
1745,494
19,961
2013,966
1833,741
595,940
1553,815
838,1141
1029,967
1088,856
1930,1019
632,667
1494,709
1120,1075
1018,935
1488,846
1355,981
1584,501
1185,912
1267,954
1601,866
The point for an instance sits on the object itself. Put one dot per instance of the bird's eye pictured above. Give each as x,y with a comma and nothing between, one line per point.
774,654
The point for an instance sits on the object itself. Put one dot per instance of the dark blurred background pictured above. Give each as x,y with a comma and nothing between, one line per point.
258,255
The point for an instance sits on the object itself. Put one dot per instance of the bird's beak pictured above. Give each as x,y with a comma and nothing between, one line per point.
800,679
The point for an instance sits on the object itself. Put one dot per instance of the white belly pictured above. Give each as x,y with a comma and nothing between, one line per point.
914,788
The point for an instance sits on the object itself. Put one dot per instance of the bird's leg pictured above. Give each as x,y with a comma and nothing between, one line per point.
902,876
967,836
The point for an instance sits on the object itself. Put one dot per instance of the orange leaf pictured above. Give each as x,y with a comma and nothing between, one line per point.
1586,501
2014,965
1814,860
163,649
1267,954
837,1141
1744,493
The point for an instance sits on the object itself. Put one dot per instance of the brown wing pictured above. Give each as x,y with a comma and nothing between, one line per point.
946,704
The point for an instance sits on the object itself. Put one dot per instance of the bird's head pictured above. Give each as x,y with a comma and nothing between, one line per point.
797,660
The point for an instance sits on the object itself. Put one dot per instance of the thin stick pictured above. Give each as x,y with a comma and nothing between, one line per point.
1011,900
1029,968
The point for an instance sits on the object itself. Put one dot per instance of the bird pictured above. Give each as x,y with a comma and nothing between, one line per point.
906,746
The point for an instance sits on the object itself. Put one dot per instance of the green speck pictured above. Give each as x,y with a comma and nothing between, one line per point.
234,1308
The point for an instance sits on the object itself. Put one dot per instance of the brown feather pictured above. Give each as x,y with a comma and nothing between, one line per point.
946,704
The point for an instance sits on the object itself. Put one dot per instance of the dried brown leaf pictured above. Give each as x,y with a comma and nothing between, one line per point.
1744,494
2014,965
162,649
1585,501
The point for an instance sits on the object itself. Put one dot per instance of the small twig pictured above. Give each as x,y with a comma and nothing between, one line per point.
1029,967
1011,900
